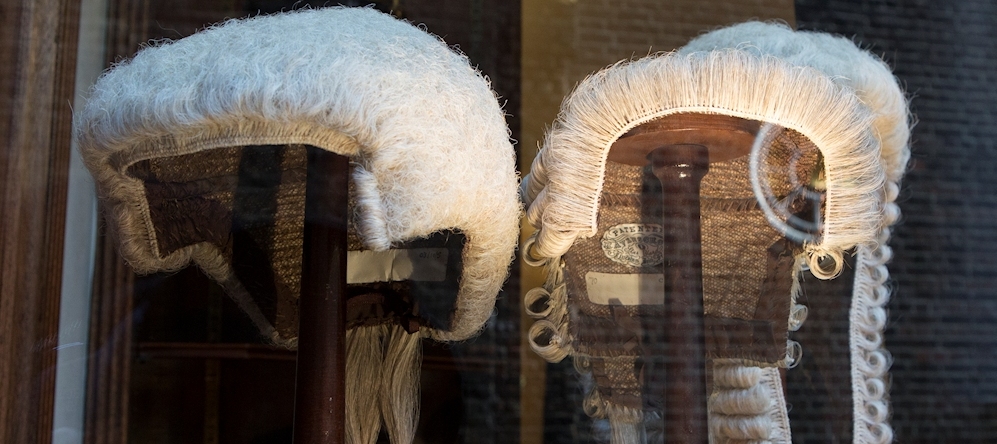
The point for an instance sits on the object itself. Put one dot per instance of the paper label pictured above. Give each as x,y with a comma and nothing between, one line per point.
625,289
416,264
635,245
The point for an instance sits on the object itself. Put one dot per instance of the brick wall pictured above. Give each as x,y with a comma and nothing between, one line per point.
942,328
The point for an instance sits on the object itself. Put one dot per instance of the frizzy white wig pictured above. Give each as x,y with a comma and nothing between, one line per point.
423,127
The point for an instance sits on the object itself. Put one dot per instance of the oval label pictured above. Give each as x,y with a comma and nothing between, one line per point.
635,245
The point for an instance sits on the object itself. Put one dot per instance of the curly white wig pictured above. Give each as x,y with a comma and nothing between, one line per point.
845,100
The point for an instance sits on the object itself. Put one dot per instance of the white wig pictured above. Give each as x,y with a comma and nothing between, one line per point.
843,99
423,127
428,143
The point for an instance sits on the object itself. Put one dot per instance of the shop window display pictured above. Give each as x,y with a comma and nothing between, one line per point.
114,356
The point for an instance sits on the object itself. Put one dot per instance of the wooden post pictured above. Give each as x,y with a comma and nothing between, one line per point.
680,149
680,168
320,389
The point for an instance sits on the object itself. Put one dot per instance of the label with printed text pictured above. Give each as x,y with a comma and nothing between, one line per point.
636,245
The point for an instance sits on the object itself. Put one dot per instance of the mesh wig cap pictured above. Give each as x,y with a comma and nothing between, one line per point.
841,117
198,148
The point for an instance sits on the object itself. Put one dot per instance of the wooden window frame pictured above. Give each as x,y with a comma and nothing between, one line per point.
38,45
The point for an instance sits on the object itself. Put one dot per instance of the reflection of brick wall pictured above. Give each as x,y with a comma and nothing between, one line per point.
610,30
564,41
942,327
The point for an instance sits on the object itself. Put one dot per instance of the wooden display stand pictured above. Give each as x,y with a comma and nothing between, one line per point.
320,389
679,150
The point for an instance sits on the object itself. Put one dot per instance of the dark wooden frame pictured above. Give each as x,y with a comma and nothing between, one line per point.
320,383
38,44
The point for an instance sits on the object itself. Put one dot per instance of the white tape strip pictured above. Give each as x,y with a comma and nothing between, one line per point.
625,289
416,264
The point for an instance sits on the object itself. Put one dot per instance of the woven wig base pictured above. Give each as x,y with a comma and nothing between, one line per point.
748,276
